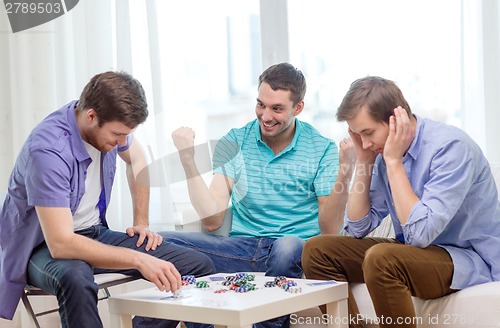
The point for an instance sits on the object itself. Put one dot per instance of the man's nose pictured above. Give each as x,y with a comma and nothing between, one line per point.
366,143
267,114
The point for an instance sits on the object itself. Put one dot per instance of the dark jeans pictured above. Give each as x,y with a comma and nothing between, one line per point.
72,281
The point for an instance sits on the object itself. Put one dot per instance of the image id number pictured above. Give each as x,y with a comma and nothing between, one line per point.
33,8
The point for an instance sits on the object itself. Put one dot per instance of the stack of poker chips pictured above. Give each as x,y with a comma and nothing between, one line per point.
240,282
291,287
285,284
245,288
269,284
188,280
202,284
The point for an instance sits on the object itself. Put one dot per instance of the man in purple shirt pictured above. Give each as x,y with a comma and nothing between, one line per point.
53,230
438,188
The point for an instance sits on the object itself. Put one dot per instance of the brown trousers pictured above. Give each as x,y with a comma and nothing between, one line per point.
392,271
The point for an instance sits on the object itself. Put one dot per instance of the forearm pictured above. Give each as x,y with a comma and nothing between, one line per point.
139,191
209,208
358,205
331,214
99,255
402,193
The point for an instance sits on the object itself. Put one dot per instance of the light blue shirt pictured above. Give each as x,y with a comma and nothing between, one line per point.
458,208
49,171
276,195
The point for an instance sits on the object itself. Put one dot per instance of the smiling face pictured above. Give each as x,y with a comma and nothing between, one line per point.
373,133
276,113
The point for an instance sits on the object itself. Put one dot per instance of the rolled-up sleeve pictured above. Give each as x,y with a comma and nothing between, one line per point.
449,181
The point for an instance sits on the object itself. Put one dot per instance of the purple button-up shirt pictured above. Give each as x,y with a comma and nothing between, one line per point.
49,171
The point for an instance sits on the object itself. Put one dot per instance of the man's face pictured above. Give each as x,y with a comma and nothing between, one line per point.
373,134
108,136
275,111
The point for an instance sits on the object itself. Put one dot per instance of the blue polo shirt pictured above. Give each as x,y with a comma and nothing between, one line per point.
49,171
458,208
276,195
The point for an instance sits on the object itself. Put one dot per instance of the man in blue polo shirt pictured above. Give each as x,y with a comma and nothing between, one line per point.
53,230
282,178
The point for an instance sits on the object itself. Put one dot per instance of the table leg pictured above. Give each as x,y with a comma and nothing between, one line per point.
120,320
337,314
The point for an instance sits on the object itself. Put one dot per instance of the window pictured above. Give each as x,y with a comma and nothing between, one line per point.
414,43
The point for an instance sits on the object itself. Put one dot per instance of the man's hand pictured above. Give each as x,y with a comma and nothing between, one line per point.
365,156
347,156
162,273
183,139
153,239
401,134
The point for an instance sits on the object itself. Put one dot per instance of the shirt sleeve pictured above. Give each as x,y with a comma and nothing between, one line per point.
130,138
225,153
328,169
47,179
450,178
378,206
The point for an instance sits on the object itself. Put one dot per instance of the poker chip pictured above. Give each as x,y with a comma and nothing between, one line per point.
288,283
190,279
250,277
245,288
269,284
231,278
202,284
279,280
240,275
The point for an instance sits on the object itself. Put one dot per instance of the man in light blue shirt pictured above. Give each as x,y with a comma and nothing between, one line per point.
438,188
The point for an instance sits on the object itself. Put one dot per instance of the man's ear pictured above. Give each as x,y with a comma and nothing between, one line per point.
91,115
298,108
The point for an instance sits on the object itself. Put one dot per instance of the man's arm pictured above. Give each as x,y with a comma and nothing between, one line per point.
135,160
332,207
358,204
401,135
63,243
210,203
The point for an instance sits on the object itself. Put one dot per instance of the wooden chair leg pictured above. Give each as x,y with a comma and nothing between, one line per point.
29,309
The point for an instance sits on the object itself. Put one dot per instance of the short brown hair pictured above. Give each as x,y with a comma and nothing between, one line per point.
379,95
284,76
115,96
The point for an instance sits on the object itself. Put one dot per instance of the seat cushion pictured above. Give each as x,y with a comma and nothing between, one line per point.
474,307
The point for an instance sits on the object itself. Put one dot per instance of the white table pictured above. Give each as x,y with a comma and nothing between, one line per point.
231,309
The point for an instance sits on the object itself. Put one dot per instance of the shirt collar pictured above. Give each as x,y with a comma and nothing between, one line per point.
414,149
81,152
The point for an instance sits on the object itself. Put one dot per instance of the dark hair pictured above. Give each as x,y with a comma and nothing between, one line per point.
284,76
115,96
379,95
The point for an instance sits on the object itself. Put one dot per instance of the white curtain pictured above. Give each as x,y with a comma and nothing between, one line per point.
481,74
45,67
